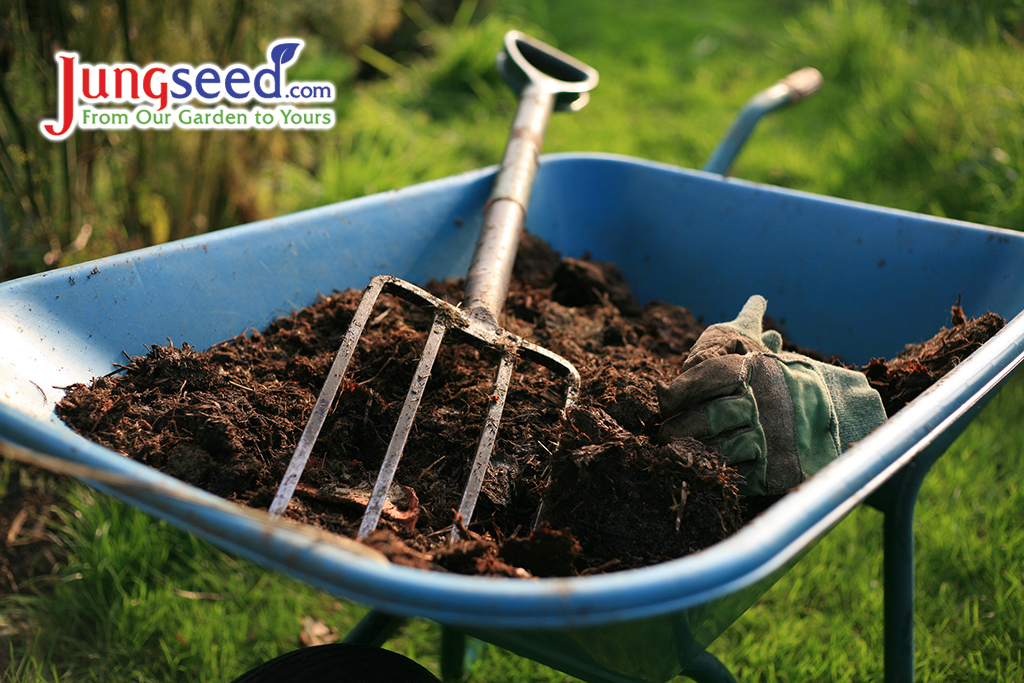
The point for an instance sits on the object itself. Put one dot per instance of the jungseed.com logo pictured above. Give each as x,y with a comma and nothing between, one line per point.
160,93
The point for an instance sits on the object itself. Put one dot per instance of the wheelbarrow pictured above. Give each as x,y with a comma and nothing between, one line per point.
855,279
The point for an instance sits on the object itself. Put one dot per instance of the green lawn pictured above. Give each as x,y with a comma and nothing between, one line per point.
922,110
822,621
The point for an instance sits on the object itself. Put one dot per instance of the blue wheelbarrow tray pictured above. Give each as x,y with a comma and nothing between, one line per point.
852,279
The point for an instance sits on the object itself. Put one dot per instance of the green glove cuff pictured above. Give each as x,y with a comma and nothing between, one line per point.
858,406
814,415
777,417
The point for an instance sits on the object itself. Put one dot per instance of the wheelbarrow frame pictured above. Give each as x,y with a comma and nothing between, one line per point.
672,231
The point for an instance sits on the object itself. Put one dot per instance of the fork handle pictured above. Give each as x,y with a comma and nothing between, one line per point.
490,271
546,80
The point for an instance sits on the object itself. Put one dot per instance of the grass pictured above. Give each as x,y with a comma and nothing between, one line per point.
922,110
969,571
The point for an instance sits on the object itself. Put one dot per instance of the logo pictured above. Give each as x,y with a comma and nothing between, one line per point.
160,94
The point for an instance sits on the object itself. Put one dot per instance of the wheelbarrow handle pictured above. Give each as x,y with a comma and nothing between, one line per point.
789,90
546,80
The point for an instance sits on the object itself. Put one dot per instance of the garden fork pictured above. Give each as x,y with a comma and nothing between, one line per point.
546,80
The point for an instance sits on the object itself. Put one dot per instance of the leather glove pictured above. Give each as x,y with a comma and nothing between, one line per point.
777,417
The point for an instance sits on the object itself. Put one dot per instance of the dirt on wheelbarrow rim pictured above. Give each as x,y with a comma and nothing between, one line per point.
227,420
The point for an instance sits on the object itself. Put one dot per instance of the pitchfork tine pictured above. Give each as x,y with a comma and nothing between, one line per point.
488,435
326,398
398,438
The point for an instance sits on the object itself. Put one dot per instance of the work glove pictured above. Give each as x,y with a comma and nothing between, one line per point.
777,417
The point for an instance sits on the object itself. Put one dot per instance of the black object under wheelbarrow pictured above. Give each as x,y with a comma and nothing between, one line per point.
857,280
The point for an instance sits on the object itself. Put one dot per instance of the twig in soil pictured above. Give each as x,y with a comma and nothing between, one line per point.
684,492
118,368
387,362
10,578
465,533
444,531
601,569
429,467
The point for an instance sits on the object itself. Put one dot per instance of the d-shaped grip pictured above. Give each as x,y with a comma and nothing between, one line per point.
527,60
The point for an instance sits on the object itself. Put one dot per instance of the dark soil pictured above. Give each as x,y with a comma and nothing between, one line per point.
606,495
918,366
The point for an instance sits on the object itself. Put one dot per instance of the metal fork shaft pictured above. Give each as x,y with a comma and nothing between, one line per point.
490,271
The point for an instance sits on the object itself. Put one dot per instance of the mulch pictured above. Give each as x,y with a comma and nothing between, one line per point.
568,492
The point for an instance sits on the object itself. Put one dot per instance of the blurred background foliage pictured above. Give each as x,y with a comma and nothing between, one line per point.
103,191
922,109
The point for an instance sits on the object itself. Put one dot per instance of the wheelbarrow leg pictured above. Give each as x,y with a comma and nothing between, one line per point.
705,668
374,629
453,654
898,573
701,666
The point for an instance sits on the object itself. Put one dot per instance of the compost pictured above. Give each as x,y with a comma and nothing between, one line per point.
567,492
